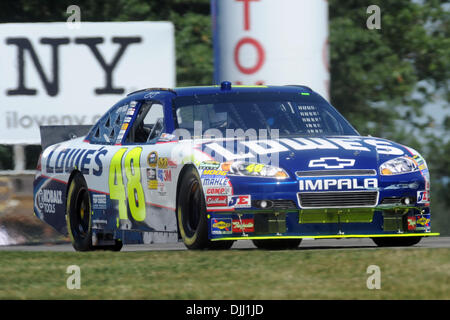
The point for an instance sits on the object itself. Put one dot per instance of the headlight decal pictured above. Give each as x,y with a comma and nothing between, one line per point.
242,168
399,165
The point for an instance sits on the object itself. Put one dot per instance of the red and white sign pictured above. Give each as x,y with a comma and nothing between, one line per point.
216,201
244,225
411,223
218,191
272,42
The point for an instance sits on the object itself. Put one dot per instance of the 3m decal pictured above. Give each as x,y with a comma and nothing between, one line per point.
243,201
164,175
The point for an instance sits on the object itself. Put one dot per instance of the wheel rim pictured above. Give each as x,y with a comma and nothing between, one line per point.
81,216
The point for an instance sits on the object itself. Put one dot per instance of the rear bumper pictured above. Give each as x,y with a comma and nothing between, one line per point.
380,221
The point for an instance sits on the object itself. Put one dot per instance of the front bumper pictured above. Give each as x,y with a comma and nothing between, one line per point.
388,216
380,221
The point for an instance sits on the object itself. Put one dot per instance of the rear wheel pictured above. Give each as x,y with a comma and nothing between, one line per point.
78,214
396,241
191,213
277,244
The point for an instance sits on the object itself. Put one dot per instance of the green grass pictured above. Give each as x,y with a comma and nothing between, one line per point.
237,274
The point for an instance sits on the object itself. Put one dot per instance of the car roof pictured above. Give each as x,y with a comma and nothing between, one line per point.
220,89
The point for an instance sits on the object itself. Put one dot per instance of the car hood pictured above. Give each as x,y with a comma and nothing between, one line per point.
308,153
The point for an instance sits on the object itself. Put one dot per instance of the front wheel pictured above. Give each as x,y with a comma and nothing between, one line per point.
78,214
277,244
191,214
396,241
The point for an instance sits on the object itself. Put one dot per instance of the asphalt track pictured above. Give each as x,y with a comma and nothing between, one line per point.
322,244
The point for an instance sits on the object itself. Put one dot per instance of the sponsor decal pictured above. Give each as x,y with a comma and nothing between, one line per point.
216,201
164,175
286,144
47,199
152,159
130,112
88,161
221,226
209,164
215,181
244,225
99,201
167,137
331,163
152,183
163,163
218,191
423,196
411,223
240,201
212,173
339,184
162,190
423,222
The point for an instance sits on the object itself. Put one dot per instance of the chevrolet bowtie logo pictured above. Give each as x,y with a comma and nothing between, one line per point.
331,163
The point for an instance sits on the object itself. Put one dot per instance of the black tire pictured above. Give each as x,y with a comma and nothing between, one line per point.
78,214
277,244
191,214
396,241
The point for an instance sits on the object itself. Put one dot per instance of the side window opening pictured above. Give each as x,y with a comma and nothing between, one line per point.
149,124
108,127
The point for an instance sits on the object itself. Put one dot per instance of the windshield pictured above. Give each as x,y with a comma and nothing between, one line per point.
291,114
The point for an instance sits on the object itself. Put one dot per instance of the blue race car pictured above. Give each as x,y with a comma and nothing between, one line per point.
211,165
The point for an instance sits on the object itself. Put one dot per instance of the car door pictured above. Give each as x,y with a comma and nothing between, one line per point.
150,171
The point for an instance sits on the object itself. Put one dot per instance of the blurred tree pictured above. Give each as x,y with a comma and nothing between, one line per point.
381,79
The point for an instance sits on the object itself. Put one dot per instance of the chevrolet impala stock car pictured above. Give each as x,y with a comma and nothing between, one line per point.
169,165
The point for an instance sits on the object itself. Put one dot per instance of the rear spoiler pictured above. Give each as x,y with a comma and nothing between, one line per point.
54,134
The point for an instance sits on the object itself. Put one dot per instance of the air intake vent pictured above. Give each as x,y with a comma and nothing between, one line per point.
340,199
328,173
283,204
